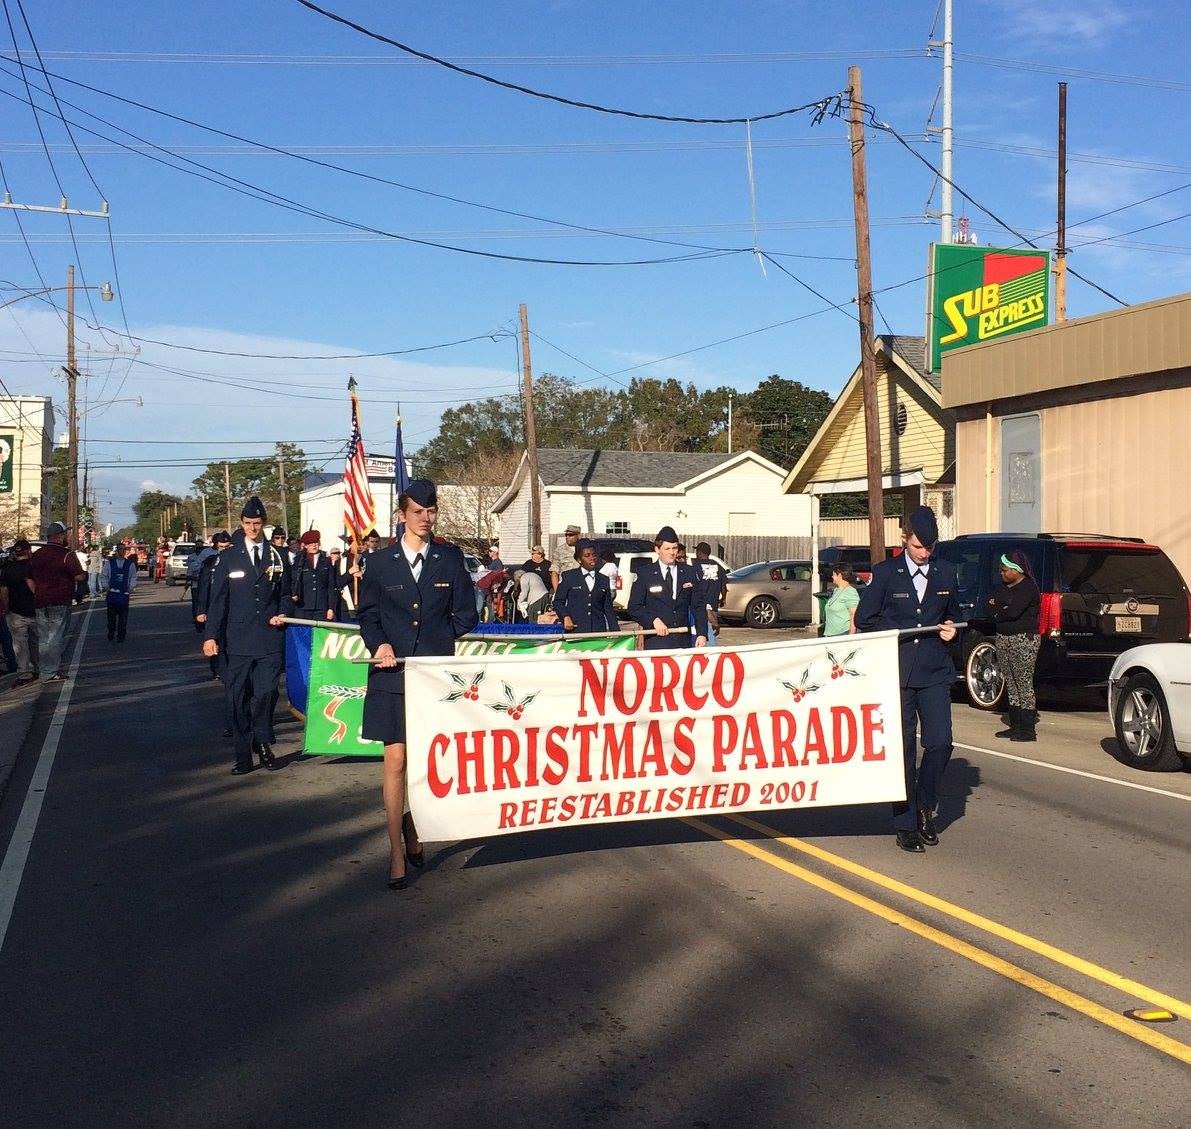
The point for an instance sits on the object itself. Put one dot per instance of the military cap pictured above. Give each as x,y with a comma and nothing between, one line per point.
311,537
584,543
222,538
923,525
666,533
370,534
422,491
572,529
55,528
254,507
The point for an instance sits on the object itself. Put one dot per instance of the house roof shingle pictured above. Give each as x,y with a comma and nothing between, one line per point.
912,350
629,469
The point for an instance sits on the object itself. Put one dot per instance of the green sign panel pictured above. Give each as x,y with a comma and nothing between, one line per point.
8,452
335,700
980,294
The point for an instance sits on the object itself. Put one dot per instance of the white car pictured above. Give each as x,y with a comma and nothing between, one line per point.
1149,705
626,572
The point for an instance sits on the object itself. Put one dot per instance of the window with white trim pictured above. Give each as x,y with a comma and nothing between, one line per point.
616,527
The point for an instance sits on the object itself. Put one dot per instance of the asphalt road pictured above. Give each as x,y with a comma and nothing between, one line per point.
189,948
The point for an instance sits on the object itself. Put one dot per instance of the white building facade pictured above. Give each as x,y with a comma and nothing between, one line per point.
26,463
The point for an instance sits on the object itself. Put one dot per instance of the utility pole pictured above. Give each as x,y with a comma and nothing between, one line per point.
864,296
72,418
729,423
946,135
1061,246
204,498
227,494
531,434
281,482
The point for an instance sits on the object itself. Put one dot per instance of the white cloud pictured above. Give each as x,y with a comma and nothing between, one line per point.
1082,23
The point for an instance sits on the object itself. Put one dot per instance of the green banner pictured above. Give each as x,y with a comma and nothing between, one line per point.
8,450
335,699
981,293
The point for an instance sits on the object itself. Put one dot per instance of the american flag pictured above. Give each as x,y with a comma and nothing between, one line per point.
359,511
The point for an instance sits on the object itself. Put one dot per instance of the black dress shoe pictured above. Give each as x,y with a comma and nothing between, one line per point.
911,841
242,769
397,883
265,752
407,825
926,828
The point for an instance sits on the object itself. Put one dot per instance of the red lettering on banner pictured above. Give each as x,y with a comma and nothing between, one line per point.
653,756
697,663
784,729
740,794
696,798
723,740
751,745
556,753
508,816
667,674
684,746
629,706
719,795
504,760
718,691
531,757
624,803
873,724
814,739
620,752
585,733
470,758
603,806
529,809
439,744
549,803
596,683
843,730
674,800
567,809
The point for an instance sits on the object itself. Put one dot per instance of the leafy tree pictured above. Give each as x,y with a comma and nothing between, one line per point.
786,414
257,476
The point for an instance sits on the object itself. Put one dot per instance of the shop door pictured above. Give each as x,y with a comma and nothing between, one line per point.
1021,474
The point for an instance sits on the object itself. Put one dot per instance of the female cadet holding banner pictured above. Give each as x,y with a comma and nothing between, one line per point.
416,598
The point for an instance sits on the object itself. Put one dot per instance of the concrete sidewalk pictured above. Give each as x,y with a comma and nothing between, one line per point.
17,708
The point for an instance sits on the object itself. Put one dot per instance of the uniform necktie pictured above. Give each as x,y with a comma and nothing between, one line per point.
416,567
670,581
919,578
589,580
256,557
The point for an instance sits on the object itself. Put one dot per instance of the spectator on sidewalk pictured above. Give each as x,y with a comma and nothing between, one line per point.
20,612
94,568
55,571
118,579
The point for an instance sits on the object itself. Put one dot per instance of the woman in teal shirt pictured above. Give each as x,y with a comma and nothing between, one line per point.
840,612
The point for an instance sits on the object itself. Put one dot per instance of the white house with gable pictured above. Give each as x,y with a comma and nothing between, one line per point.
610,493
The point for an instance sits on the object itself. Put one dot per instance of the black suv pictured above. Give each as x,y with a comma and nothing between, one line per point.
1101,595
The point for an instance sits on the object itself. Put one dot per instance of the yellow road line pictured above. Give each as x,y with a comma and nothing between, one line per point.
1052,991
1041,948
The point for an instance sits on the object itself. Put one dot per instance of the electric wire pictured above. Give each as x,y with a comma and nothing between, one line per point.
820,107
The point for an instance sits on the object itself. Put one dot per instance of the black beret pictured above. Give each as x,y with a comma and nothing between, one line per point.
222,538
666,533
422,491
254,507
924,526
371,533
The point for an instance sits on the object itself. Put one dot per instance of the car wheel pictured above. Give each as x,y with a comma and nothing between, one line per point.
983,680
1142,722
169,581
762,612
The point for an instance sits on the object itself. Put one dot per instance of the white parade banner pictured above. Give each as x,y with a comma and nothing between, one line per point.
504,743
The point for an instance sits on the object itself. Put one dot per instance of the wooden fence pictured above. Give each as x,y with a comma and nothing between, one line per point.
854,531
741,549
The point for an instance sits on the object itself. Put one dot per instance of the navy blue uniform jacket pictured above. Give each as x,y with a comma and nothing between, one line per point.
650,599
243,600
314,585
890,602
590,611
415,618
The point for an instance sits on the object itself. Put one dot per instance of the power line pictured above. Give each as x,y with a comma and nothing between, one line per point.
1072,72
1135,231
830,104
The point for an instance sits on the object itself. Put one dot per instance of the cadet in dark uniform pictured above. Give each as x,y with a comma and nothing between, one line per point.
244,619
416,598
914,591
583,598
315,587
666,595
202,589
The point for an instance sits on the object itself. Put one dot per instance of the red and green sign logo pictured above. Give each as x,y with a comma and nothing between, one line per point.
979,293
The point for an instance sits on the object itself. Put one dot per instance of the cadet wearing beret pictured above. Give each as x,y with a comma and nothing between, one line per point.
315,587
244,620
666,595
915,591
583,598
416,598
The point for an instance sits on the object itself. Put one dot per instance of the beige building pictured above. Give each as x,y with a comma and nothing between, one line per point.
26,458
1079,427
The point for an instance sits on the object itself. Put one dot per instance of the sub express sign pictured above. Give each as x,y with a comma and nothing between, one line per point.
979,293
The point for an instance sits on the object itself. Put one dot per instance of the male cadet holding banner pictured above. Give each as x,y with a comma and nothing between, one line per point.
244,617
914,591
416,598
666,594
583,598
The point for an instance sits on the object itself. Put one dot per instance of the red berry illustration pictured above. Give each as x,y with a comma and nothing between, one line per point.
515,713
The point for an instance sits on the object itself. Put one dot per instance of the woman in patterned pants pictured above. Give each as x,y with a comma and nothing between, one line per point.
1014,607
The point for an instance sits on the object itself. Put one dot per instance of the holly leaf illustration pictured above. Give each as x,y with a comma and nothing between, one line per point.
453,696
832,659
458,679
788,685
501,707
510,697
528,698
478,677
847,658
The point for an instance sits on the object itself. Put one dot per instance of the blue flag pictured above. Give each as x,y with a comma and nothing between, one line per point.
400,477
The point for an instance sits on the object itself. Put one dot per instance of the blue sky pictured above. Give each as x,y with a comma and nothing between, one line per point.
203,266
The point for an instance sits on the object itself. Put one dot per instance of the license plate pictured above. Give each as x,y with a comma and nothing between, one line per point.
1128,623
